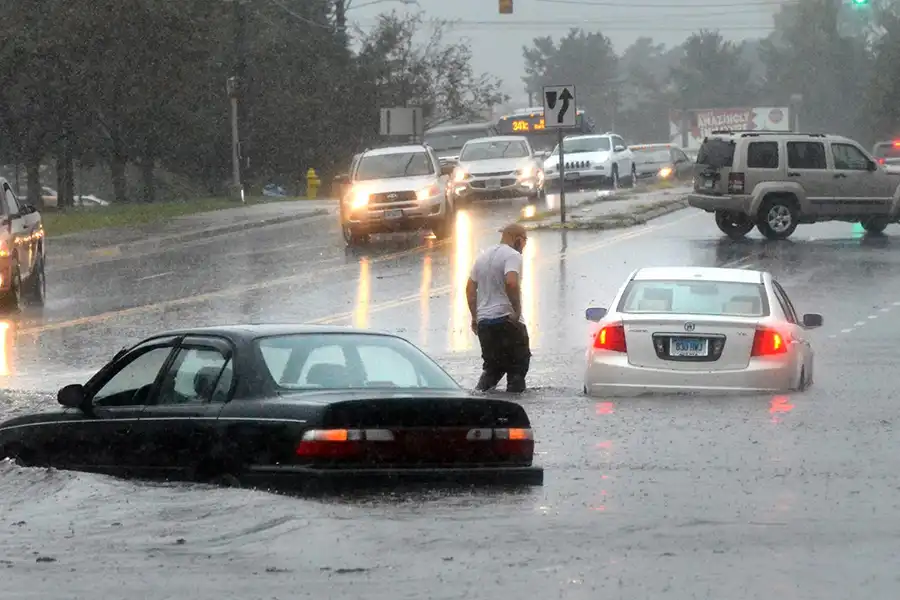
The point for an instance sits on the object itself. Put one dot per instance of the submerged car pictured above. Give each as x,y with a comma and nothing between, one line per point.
699,330
278,407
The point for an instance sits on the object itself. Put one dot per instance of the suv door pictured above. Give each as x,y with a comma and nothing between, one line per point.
20,242
177,429
622,157
807,166
861,187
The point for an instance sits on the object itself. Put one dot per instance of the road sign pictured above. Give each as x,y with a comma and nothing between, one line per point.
402,121
506,7
560,106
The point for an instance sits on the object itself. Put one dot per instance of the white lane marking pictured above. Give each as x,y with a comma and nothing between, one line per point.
833,335
846,330
870,317
885,309
859,323
154,276
896,303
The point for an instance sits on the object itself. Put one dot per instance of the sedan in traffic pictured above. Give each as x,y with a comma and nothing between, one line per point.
497,167
278,407
699,330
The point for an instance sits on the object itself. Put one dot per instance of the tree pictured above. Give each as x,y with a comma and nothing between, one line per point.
712,73
881,106
645,99
587,59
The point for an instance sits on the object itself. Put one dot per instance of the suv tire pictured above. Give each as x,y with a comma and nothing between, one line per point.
734,225
37,284
352,238
444,228
874,225
632,178
11,300
777,217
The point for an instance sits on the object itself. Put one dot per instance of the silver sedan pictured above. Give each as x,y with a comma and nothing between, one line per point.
699,330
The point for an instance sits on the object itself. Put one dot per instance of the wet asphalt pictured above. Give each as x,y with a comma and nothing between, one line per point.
754,497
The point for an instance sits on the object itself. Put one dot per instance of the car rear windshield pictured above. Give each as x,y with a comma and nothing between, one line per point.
444,142
349,361
691,297
716,153
887,150
491,150
389,166
652,155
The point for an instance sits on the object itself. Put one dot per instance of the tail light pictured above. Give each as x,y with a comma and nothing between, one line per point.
330,443
735,183
768,342
612,338
505,440
880,161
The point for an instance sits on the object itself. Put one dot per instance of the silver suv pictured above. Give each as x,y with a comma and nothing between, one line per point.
775,181
497,167
399,188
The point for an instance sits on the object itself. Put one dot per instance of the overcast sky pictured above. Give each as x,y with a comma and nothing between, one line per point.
497,40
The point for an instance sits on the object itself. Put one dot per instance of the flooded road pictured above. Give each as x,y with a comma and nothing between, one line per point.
757,497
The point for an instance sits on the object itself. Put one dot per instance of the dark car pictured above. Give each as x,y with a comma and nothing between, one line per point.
277,406
662,162
22,253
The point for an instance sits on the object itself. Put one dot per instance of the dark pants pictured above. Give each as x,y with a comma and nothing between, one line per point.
505,351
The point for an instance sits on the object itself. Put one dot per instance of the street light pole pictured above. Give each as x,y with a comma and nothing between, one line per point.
237,190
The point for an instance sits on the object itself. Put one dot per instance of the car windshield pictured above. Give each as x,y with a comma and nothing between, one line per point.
654,155
349,361
691,297
389,166
443,142
599,144
491,150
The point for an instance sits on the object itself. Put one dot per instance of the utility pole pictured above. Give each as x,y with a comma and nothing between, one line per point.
233,86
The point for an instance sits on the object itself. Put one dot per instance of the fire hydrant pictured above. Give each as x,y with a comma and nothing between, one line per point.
312,184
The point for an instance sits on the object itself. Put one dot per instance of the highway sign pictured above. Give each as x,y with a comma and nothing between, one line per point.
560,106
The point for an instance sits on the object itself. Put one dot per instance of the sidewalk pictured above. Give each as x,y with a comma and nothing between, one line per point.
615,211
77,247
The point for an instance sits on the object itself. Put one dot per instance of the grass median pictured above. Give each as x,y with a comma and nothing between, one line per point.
76,219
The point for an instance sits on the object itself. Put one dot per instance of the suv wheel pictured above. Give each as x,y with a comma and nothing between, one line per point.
37,284
734,225
631,179
352,238
12,298
777,217
614,178
443,228
874,225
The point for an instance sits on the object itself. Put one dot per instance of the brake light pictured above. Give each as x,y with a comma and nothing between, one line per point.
735,183
324,443
768,342
896,144
513,440
612,338
880,161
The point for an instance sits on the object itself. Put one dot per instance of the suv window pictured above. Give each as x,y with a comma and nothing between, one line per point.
762,155
9,201
716,153
849,158
389,166
806,155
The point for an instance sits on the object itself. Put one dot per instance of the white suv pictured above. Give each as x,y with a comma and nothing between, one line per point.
591,161
777,180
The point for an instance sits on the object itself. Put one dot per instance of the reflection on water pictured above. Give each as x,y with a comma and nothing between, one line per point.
425,299
6,343
460,332
529,285
779,404
361,313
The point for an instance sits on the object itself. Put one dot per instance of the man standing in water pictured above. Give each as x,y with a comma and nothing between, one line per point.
494,296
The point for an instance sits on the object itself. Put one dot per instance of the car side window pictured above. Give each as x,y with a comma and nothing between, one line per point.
678,156
132,384
196,377
806,155
10,203
849,158
386,367
762,155
785,302
617,141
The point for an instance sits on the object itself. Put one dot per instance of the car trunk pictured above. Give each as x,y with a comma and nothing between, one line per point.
714,163
696,344
434,432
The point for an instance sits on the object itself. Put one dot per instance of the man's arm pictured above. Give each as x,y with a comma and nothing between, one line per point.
472,297
513,269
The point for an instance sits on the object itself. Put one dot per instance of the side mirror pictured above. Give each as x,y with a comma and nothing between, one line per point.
447,168
595,314
619,148
873,166
812,320
71,396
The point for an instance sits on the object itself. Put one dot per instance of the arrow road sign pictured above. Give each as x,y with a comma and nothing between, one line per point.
560,106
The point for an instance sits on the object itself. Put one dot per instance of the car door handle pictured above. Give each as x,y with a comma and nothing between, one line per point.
793,174
839,175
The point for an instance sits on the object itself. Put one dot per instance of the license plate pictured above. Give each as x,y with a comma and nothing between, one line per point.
708,184
573,175
688,347
492,184
393,214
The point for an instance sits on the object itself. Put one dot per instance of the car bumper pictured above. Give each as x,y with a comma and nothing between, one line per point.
581,181
614,376
480,191
386,219
296,477
714,202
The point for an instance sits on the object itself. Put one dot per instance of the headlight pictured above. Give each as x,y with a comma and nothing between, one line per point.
665,172
526,172
425,193
360,199
459,175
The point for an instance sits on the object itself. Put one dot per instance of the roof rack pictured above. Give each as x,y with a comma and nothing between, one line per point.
757,132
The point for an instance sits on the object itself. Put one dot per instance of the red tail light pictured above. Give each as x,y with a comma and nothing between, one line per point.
516,441
612,338
735,183
768,342
334,443
880,161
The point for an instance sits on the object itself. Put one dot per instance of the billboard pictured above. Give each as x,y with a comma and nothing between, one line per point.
688,128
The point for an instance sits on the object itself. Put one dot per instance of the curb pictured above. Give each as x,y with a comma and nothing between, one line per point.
622,195
118,250
620,221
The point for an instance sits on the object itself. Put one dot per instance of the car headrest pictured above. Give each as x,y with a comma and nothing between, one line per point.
743,305
328,375
205,381
655,305
657,294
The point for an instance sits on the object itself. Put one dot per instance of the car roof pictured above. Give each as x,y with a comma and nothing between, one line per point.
698,273
654,146
395,150
499,138
460,127
251,331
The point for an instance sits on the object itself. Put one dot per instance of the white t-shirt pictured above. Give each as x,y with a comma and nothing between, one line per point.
489,272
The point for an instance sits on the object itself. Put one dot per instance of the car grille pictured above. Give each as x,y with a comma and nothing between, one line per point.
501,174
393,199
503,183
578,164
